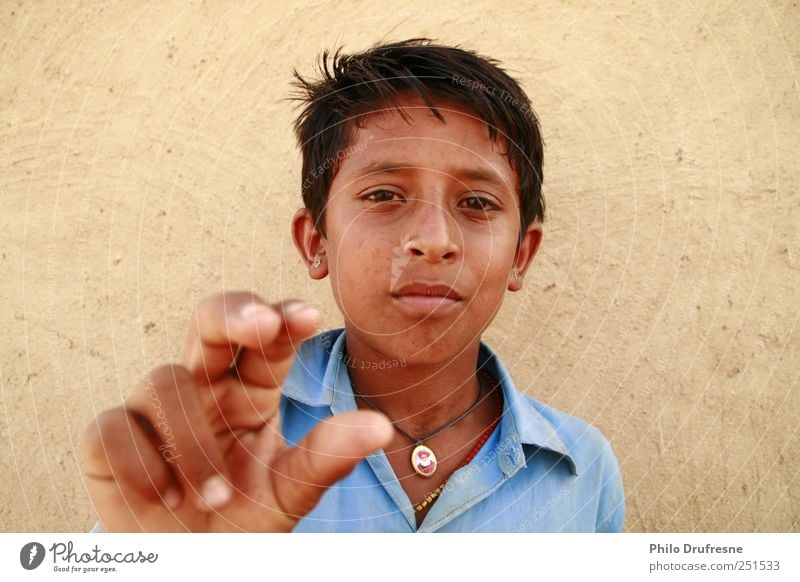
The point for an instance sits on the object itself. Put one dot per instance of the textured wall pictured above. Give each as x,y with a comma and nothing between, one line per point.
147,161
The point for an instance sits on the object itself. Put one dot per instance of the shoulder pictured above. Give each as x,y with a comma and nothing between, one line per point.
597,466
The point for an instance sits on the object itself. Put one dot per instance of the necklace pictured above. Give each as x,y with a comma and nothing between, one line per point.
484,437
423,459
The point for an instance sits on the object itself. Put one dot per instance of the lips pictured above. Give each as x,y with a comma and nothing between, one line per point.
426,298
427,289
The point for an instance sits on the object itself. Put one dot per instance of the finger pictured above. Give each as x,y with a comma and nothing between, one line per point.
301,474
232,405
220,324
267,365
270,334
122,462
168,399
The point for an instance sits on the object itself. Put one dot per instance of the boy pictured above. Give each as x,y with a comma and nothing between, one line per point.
422,174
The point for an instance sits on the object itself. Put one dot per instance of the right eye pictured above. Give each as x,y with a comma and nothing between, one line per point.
379,196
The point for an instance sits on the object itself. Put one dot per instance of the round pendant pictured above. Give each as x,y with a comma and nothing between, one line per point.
423,460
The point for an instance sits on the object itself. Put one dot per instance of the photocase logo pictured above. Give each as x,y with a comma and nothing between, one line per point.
31,555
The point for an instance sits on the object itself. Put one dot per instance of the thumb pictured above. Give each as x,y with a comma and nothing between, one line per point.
328,453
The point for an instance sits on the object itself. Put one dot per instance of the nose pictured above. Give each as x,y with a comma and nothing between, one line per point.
432,233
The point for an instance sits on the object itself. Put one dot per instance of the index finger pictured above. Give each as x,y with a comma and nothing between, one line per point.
269,333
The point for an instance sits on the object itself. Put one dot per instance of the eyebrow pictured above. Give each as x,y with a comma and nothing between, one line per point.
461,172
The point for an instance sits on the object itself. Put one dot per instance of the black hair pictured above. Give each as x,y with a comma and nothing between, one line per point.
352,85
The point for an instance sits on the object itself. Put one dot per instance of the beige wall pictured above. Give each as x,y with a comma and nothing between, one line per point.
147,161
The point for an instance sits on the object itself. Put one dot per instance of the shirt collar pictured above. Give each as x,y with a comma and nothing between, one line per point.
531,425
317,378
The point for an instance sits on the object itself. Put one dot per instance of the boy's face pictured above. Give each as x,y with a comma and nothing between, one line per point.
427,202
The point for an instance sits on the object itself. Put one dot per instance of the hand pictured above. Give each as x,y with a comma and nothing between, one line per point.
198,448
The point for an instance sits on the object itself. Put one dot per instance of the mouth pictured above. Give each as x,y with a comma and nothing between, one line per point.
420,298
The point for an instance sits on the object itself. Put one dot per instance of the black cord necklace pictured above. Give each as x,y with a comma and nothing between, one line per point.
423,459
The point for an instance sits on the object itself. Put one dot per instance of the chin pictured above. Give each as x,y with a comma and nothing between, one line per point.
424,347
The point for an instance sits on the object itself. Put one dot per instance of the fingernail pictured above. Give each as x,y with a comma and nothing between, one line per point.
258,311
311,311
215,491
294,307
172,497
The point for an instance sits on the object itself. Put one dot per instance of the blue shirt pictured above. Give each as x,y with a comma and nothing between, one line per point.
541,471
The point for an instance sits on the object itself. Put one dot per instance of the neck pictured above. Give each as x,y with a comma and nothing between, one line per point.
417,397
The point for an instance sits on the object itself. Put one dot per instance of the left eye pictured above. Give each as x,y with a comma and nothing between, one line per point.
480,203
380,196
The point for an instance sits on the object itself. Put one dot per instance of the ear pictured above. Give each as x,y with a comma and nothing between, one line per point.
525,253
310,243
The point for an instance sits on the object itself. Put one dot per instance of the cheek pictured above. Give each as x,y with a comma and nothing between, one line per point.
490,256
491,264
359,274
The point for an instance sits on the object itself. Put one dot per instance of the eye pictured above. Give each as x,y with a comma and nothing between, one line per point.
481,203
379,196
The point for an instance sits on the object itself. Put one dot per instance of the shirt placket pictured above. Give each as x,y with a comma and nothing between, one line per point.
498,460
342,400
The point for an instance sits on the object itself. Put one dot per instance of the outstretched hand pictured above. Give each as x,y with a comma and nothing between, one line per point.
198,445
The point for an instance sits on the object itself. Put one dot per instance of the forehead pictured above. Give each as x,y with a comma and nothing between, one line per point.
423,141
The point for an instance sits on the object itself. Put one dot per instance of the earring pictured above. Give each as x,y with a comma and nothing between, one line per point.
317,262
515,274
